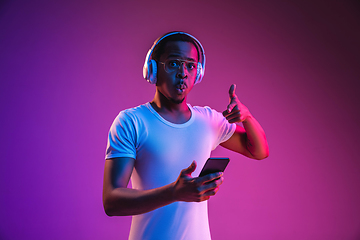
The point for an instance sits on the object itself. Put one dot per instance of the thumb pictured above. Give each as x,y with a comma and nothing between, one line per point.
190,169
232,91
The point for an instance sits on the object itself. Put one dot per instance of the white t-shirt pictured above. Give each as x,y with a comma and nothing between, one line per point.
161,149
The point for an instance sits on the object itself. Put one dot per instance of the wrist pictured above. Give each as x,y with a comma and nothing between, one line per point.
248,118
171,192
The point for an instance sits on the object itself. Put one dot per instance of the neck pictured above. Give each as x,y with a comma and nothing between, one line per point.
172,111
163,103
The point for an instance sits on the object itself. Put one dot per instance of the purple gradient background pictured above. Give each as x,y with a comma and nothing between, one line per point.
68,67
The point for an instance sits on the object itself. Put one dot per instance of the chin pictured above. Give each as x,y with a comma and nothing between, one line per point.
177,101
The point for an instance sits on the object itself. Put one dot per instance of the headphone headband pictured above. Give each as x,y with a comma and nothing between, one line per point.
150,67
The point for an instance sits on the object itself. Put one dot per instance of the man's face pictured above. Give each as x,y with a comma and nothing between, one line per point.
176,84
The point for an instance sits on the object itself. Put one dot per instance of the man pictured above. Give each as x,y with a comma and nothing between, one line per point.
159,145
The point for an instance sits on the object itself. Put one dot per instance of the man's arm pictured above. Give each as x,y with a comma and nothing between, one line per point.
249,140
119,200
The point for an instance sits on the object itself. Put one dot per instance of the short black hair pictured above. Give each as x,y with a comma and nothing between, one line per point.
160,47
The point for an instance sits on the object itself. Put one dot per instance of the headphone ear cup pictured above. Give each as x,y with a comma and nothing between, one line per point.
199,73
148,71
152,72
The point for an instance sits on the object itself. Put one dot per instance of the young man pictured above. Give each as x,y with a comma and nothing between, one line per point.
160,144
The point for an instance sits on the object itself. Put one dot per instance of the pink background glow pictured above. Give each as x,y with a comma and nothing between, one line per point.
68,67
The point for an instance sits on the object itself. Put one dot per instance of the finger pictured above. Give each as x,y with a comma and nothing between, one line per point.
214,183
204,198
212,186
233,115
211,193
235,111
209,177
235,120
232,91
190,169
231,106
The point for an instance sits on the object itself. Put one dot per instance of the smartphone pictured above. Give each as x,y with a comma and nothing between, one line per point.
213,165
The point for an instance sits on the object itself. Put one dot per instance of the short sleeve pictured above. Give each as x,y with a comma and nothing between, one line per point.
122,138
224,129
221,128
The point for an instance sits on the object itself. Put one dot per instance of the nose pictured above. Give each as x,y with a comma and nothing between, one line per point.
181,71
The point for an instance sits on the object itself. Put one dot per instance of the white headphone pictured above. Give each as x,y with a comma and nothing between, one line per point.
150,67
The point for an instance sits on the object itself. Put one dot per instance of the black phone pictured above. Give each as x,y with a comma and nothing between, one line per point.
213,165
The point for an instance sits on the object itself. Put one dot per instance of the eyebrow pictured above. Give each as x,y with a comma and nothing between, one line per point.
177,55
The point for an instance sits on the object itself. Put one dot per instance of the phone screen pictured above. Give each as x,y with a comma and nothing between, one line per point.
214,165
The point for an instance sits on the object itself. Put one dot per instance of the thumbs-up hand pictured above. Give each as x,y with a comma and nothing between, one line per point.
236,111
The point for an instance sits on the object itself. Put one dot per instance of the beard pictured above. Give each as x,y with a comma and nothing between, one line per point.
172,99
177,101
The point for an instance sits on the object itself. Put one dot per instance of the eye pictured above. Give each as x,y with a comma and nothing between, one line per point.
191,65
173,64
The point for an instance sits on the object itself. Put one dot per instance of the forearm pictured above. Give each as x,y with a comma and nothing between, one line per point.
119,200
256,142
127,201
